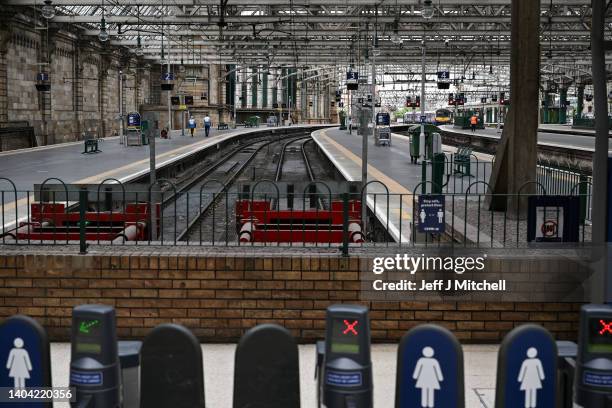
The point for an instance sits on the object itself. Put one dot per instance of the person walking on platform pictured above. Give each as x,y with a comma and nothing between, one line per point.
192,125
350,125
207,125
474,122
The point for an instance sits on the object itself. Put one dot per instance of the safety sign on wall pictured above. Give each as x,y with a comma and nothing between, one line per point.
431,216
553,219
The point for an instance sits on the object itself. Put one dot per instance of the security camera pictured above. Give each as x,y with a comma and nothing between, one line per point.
422,43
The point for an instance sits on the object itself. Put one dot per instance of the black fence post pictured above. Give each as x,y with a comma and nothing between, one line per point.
583,191
82,222
345,223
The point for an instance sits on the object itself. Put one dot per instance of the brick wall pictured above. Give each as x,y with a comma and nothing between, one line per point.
218,297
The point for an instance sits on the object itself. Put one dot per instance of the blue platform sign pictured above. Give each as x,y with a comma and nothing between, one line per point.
431,215
352,76
443,75
167,76
133,120
24,357
423,119
42,76
429,369
527,369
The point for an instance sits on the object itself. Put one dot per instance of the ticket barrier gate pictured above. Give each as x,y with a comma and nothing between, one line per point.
267,369
94,365
344,368
593,366
23,339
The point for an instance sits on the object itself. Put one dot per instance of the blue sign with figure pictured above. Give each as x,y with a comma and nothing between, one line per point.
527,369
429,369
24,357
431,215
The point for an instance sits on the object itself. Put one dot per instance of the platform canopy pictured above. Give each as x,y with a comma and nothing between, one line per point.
472,37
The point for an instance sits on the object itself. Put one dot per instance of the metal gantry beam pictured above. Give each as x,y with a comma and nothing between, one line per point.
310,32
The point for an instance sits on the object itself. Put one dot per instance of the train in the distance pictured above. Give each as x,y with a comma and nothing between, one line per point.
438,117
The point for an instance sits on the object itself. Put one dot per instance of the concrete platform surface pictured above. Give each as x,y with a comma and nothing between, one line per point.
392,167
27,167
480,366
573,141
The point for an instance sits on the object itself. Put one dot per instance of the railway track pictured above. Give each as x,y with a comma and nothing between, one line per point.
201,198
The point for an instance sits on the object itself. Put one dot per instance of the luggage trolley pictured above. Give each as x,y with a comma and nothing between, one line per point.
382,133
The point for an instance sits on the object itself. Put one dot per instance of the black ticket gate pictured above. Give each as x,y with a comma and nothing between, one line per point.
267,369
171,369
94,364
344,368
593,368
23,342
527,369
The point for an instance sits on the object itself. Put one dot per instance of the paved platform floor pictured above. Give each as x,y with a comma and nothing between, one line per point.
392,167
480,366
574,141
26,167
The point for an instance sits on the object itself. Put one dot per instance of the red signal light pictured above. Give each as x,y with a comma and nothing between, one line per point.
350,327
606,327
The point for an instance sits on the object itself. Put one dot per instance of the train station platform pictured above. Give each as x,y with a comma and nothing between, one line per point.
392,167
547,136
27,167
480,369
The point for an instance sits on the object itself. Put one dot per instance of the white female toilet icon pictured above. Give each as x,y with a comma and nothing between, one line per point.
19,364
530,377
428,376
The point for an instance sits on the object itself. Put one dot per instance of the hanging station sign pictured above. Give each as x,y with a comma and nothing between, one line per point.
352,80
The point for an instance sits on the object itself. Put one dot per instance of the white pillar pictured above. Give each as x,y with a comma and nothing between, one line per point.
249,83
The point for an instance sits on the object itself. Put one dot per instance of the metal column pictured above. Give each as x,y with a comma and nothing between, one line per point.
600,157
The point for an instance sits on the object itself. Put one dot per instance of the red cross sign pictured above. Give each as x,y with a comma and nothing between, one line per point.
606,327
350,327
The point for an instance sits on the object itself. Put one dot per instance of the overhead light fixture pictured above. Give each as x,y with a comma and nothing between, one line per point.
48,10
103,35
428,10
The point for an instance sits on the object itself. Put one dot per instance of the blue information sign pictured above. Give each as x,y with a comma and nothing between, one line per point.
168,76
527,369
24,357
42,76
431,214
444,75
352,76
429,369
423,119
133,120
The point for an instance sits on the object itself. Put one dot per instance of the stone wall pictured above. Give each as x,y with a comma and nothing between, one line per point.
85,84
220,296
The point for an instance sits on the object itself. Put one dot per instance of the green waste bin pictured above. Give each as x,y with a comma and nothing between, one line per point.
415,141
144,127
342,117
437,172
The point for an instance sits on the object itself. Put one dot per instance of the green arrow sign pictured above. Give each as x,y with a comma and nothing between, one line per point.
85,326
